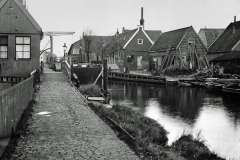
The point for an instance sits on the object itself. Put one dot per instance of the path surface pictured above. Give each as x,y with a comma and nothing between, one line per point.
64,127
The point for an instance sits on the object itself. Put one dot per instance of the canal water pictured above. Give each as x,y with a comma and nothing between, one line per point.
186,109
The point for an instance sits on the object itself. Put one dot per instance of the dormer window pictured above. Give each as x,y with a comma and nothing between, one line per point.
140,41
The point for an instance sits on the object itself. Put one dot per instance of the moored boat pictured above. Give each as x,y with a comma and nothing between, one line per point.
199,84
171,81
214,87
233,89
185,84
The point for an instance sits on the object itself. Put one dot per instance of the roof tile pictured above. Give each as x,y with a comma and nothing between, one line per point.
171,38
227,39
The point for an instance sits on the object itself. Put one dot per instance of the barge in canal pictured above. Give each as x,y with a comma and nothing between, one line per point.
136,77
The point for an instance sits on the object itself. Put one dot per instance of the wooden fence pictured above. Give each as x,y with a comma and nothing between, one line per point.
13,101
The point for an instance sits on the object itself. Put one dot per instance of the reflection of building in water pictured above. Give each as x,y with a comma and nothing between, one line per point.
187,109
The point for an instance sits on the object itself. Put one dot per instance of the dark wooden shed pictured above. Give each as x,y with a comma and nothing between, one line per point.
20,37
181,48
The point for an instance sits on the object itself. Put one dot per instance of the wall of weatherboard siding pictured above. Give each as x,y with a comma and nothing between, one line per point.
14,23
13,101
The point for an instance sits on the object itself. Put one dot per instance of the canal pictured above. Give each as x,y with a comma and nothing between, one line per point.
186,109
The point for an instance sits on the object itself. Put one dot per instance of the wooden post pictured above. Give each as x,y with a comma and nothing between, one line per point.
70,67
105,75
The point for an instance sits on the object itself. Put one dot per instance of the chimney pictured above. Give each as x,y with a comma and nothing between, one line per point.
142,20
23,2
123,30
117,32
234,27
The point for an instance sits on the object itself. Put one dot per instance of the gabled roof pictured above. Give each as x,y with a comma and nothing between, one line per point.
228,56
211,34
140,28
153,34
171,38
123,38
98,42
74,45
227,40
25,12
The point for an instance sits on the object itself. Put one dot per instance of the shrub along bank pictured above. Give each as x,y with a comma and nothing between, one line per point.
148,138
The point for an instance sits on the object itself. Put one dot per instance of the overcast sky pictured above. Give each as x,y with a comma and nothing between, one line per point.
104,17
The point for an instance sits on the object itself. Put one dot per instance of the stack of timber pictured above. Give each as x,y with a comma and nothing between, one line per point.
227,81
136,77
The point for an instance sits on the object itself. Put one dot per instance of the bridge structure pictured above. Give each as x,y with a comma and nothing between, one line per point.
51,34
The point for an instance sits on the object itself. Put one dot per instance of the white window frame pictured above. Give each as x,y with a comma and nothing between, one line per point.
21,53
140,41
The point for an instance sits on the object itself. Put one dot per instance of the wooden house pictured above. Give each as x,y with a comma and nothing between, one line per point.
227,42
130,48
181,48
209,35
20,37
225,51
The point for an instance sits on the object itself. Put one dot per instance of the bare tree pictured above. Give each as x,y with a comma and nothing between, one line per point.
87,38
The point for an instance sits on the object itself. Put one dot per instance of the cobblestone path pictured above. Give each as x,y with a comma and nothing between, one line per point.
64,127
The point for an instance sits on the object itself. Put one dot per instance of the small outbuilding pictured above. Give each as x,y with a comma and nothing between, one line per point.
20,37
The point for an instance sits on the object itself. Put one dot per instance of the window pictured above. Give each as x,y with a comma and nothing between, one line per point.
130,59
184,59
23,47
191,41
140,41
3,47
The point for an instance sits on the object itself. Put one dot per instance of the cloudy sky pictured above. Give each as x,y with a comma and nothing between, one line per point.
104,17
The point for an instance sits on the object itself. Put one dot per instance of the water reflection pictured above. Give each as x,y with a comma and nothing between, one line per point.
188,109
3,144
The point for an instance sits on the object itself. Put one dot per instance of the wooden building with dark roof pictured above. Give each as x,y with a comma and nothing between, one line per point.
20,37
181,48
227,42
209,35
225,51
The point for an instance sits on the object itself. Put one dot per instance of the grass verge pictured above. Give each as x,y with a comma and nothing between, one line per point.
149,138
90,90
193,148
